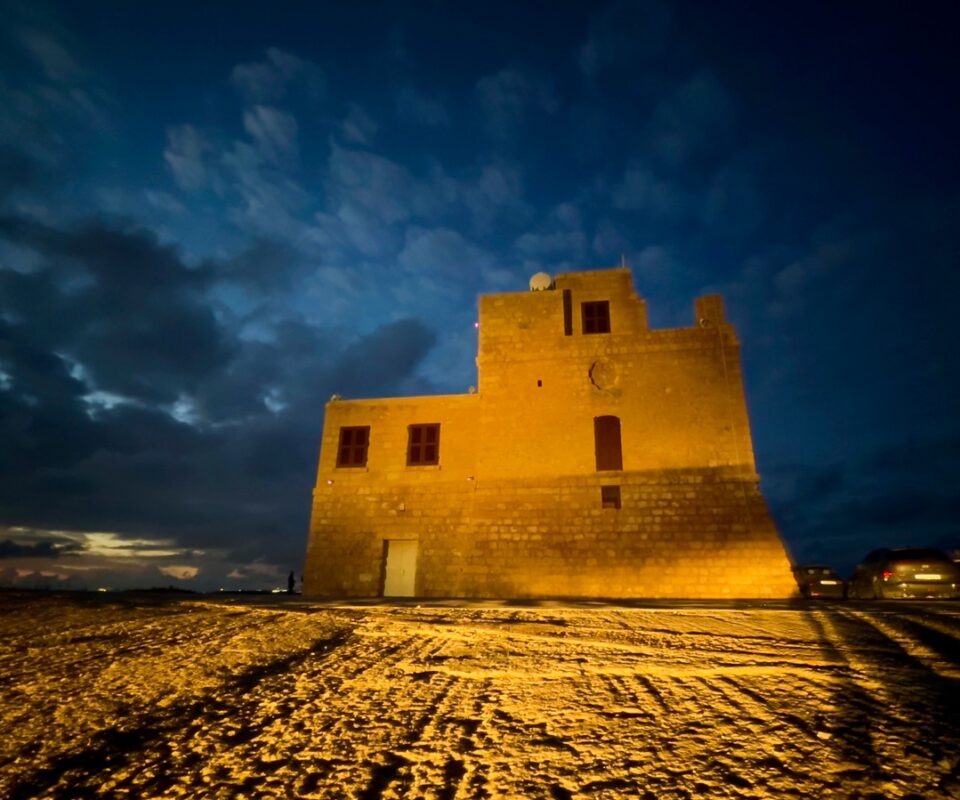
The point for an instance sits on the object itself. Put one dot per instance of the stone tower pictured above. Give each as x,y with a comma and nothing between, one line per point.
597,458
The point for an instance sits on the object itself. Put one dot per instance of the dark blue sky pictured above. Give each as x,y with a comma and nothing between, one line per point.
214,216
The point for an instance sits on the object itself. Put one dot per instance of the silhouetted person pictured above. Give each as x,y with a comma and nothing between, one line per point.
290,582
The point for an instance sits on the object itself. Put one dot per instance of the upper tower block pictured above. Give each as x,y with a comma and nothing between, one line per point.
514,326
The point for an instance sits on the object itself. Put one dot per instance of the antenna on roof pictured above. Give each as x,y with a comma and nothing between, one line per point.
623,260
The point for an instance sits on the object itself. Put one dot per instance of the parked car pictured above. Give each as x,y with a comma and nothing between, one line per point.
818,581
905,572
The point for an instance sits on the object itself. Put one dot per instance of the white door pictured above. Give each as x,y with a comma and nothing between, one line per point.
401,570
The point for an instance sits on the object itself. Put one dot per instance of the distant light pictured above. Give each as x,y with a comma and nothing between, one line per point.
103,589
476,324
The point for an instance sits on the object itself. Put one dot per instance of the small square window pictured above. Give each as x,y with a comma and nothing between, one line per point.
423,444
596,316
352,450
610,496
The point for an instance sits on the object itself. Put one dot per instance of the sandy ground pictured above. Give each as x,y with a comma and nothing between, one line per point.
156,698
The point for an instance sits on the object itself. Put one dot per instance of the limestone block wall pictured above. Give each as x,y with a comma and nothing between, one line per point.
346,552
514,507
691,533
356,509
678,394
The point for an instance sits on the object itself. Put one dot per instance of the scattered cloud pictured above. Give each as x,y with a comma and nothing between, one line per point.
420,109
274,132
56,92
641,189
358,127
272,78
444,255
134,323
128,308
387,355
186,155
181,572
19,171
116,545
263,199
10,548
696,119
734,205
52,55
377,185
559,241
509,96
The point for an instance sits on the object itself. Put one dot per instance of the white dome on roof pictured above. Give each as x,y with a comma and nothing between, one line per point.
541,282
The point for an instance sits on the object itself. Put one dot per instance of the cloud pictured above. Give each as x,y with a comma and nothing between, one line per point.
52,105
560,239
837,513
444,255
384,357
373,201
115,545
733,204
358,127
272,78
267,266
370,197
186,156
52,55
380,186
695,120
508,97
105,307
19,171
181,572
653,264
254,178
120,303
609,241
43,549
262,199
274,132
420,109
494,196
641,189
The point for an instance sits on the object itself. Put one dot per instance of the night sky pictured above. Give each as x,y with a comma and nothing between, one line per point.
214,216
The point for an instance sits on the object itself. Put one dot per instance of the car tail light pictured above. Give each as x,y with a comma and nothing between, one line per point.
887,574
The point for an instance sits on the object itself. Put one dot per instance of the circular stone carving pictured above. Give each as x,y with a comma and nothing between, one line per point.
603,375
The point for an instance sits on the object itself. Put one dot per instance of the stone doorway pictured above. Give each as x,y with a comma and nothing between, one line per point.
400,567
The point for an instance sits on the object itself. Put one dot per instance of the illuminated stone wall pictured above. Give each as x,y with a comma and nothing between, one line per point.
514,506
